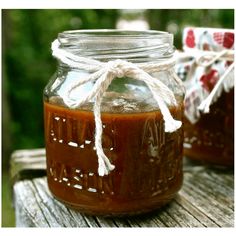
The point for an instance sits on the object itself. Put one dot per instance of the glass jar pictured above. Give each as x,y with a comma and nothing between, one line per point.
211,139
208,137
147,160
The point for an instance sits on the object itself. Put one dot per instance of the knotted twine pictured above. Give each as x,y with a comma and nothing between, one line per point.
103,73
206,59
226,81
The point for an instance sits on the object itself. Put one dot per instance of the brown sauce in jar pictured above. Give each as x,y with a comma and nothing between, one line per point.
211,139
148,161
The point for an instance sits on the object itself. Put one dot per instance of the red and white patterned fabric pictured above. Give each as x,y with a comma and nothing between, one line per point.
208,39
200,80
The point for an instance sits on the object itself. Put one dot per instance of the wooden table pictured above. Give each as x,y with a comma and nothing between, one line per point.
205,200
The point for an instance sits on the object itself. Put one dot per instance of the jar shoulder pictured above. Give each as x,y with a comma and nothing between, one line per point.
123,94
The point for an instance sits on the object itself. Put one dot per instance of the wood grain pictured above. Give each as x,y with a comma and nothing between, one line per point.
205,200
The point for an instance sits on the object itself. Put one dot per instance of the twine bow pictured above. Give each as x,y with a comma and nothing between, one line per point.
206,59
103,73
225,82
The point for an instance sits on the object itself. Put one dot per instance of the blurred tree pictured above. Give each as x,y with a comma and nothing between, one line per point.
6,142
28,65
174,20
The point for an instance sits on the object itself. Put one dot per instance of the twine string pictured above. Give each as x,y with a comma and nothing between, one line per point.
206,59
225,80
103,73
216,91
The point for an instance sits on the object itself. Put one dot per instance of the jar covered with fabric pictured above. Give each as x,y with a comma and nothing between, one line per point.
206,67
113,121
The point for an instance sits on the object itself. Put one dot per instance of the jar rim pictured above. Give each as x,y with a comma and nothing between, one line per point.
110,44
114,33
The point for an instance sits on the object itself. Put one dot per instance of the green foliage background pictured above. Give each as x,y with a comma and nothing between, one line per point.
28,64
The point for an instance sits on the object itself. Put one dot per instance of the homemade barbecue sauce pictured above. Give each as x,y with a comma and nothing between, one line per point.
148,161
211,139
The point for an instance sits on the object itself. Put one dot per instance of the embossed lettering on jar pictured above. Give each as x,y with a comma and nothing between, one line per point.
147,160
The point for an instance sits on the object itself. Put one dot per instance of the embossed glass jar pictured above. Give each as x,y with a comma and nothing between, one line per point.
211,140
207,69
147,160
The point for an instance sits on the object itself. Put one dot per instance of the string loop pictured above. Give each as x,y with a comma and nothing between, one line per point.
103,74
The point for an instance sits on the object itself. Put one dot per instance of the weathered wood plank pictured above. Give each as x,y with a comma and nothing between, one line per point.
31,216
53,208
25,162
183,217
219,193
90,220
205,220
121,222
220,214
166,218
148,220
205,200
191,208
105,222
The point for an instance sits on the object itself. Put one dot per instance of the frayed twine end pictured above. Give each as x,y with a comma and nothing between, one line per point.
204,107
104,170
172,126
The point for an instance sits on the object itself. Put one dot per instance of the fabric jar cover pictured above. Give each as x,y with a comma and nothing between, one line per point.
200,80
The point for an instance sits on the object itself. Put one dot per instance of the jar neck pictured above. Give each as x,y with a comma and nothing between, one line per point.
107,45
